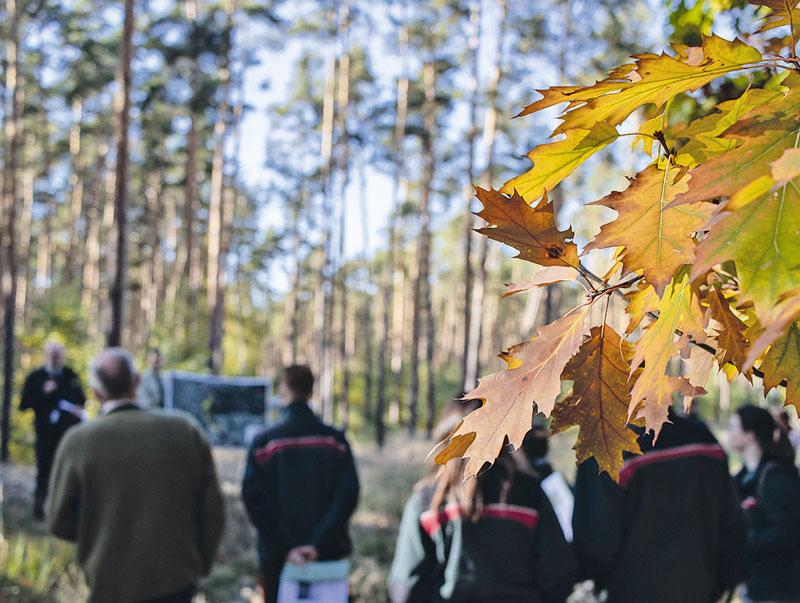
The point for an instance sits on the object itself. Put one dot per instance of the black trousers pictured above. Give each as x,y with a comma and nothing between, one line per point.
182,596
269,578
45,452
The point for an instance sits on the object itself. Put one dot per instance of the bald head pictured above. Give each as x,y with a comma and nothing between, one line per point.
112,375
53,355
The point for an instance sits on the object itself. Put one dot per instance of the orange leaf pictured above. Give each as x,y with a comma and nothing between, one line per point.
730,340
599,401
657,240
509,394
530,230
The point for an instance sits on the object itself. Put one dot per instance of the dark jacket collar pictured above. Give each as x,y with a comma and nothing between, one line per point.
297,409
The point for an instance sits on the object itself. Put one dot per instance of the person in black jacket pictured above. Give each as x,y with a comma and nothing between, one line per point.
54,393
769,487
300,486
671,530
491,538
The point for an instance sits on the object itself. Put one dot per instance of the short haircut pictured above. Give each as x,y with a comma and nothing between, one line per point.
299,379
114,375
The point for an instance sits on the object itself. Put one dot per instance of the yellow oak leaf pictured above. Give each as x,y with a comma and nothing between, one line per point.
554,161
657,240
678,310
530,230
787,312
545,276
599,400
640,302
509,394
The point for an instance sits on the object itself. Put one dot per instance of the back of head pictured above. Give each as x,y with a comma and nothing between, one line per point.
299,380
772,440
112,374
449,482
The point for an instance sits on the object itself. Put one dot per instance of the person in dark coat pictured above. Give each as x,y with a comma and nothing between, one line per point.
769,487
54,394
671,529
300,486
490,538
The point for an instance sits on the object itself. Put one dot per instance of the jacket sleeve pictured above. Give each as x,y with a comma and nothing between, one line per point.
780,526
29,393
258,495
63,502
558,565
731,563
414,560
596,521
342,504
211,510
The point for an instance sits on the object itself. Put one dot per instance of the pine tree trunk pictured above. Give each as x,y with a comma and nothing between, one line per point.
479,290
368,330
421,294
91,269
76,184
472,59
23,278
215,221
8,236
121,182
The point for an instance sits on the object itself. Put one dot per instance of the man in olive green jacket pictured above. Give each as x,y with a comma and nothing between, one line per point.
138,493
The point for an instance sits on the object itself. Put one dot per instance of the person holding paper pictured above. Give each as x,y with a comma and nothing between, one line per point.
54,393
300,486
493,537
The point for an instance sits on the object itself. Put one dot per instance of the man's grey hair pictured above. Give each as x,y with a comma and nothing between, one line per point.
112,373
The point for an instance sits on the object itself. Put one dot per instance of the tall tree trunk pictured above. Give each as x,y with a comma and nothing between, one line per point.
421,294
23,278
366,309
385,344
214,287
344,170
121,182
76,184
91,269
489,133
324,295
13,126
153,277
472,59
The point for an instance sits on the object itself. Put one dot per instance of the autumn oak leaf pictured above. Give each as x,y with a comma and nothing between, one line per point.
509,394
530,230
599,401
545,276
731,343
657,240
782,363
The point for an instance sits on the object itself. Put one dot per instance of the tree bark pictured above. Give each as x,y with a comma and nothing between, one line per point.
8,237
472,59
214,287
91,269
76,184
421,294
23,277
121,182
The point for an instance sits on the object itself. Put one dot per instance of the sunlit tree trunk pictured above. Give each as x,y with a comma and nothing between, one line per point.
91,269
8,236
389,303
366,318
76,185
472,59
214,287
421,293
121,182
489,133
23,278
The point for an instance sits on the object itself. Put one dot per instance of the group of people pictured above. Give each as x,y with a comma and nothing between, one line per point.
136,489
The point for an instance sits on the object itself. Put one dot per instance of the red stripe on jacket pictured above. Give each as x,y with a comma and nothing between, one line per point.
668,454
263,454
432,522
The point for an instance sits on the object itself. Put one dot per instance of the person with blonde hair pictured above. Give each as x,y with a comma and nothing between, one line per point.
494,537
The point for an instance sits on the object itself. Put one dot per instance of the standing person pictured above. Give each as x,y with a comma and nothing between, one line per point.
42,392
671,529
494,537
138,493
300,486
769,487
151,387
